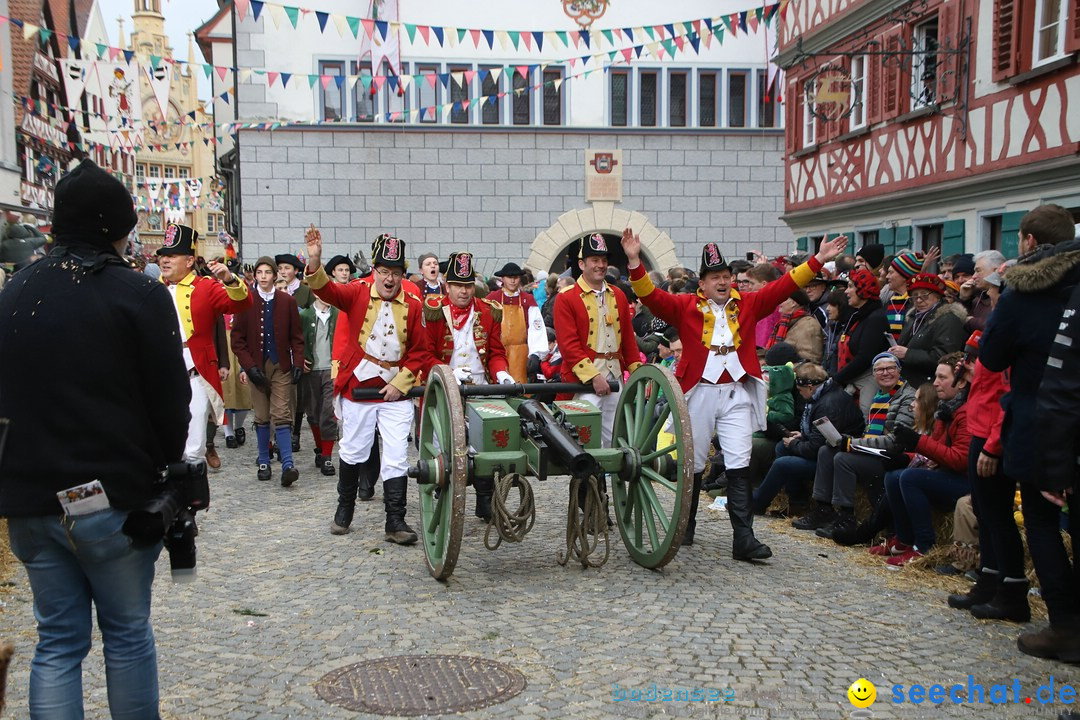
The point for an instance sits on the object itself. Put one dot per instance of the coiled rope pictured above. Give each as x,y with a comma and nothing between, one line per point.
586,530
511,526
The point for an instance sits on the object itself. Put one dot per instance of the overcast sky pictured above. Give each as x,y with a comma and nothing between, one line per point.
181,17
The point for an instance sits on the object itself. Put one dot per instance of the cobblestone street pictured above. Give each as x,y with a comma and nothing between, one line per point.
279,602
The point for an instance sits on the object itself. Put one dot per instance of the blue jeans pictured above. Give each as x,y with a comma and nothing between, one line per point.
73,563
789,472
913,494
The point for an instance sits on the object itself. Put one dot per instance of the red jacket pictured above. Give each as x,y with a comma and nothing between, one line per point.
247,333
984,399
487,334
686,313
361,302
202,300
575,325
948,443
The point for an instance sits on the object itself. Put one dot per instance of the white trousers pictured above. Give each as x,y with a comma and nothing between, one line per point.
195,447
727,411
607,406
358,423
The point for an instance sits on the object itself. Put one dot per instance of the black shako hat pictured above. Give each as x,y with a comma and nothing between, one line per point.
459,268
338,260
594,245
509,270
179,240
288,259
93,206
388,251
712,260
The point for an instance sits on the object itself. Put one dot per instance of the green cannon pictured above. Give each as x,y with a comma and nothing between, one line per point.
493,436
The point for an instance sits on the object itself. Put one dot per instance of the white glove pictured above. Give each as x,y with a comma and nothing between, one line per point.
504,378
462,375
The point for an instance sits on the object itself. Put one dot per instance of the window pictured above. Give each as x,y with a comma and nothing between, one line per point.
707,99
929,236
184,172
522,98
677,99
215,223
331,97
858,93
809,119
155,171
620,98
140,172
553,102
1048,44
396,101
459,95
869,237
737,99
993,232
428,94
363,94
767,107
647,99
924,64
170,172
489,97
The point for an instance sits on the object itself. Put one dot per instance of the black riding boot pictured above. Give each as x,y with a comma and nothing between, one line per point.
369,471
484,488
397,531
691,523
346,490
744,546
866,531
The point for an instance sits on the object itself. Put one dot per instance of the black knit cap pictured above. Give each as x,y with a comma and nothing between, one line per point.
459,268
179,240
92,206
874,255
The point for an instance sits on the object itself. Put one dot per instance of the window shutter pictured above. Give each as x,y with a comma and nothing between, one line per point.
873,83
894,88
952,238
950,23
792,126
1072,35
1006,45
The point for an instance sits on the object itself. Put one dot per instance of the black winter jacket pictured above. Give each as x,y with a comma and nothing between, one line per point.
1018,336
1059,404
866,329
940,333
92,379
841,409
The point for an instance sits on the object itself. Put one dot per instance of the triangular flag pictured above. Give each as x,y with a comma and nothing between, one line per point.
489,36
293,15
609,36
271,78
74,74
538,38
285,79
242,8
46,35
369,26
515,37
383,27
277,14
322,17
29,30
354,25
221,70
256,9
475,37
425,33
438,34
340,24
160,80
410,30
325,80
752,22
72,41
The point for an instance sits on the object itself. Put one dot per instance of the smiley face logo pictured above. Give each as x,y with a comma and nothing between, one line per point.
862,693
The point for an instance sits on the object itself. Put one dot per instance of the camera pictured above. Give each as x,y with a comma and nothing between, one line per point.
182,490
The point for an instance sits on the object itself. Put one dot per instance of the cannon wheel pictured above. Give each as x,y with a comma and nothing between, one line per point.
651,510
443,445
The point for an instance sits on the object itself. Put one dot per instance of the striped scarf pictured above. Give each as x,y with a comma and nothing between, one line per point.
781,330
879,410
894,313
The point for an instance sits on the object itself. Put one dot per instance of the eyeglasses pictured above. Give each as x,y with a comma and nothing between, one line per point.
921,296
743,282
392,274
886,370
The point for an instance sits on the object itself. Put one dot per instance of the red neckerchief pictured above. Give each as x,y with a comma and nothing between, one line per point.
782,327
459,315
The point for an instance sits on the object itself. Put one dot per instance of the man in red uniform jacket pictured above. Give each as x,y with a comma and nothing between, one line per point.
719,372
269,345
199,302
389,353
466,334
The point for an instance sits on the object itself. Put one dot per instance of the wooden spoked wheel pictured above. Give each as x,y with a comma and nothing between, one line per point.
444,448
653,492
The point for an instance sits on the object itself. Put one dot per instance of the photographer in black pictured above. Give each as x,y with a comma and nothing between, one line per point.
106,408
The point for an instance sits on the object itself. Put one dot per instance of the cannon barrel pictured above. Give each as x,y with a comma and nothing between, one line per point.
505,390
567,450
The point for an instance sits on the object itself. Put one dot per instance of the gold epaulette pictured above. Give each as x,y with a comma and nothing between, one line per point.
496,309
568,287
433,309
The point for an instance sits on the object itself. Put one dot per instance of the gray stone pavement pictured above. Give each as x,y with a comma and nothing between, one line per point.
788,637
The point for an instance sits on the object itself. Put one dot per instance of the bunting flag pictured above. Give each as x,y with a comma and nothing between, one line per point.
160,78
75,73
384,44
119,84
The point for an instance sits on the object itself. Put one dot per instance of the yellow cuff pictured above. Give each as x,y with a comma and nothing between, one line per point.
317,279
633,367
643,286
404,380
237,292
802,274
585,370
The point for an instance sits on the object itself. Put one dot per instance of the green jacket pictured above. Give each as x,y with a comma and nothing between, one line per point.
304,297
781,401
308,322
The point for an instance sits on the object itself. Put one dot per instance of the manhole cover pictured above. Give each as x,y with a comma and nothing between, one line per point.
420,684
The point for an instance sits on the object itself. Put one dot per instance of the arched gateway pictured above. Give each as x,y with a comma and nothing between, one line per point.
603,217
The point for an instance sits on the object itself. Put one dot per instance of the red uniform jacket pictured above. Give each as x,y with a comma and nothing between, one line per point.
360,302
201,300
576,325
687,314
487,334
247,334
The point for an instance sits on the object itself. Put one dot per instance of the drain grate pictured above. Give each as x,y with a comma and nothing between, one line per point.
420,684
